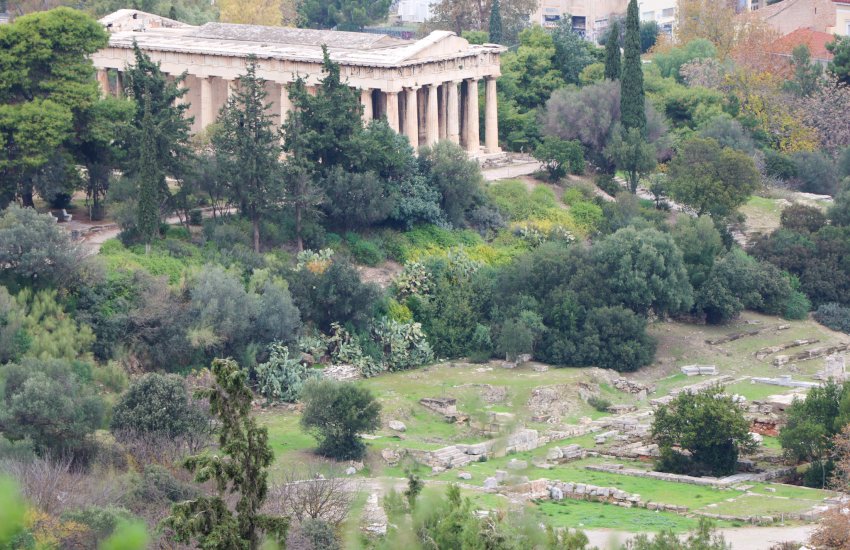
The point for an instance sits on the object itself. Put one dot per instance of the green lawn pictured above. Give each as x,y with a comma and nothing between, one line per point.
595,515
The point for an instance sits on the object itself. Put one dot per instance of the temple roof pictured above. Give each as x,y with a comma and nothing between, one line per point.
153,32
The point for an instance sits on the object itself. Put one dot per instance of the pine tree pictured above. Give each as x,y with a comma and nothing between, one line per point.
613,64
496,23
247,149
238,467
150,179
632,95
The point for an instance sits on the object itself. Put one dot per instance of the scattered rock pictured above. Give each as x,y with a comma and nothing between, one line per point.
397,425
491,483
391,456
464,475
515,464
350,471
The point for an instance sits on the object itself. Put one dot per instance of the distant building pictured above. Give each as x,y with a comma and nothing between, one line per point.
816,41
414,11
663,12
589,18
786,16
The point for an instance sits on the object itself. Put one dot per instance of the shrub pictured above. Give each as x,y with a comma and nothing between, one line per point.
157,405
802,218
815,173
336,414
283,377
834,316
559,157
599,403
403,344
779,165
458,179
196,216
481,345
608,184
615,338
363,250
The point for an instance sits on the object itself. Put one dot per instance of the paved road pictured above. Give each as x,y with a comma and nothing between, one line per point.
511,171
741,538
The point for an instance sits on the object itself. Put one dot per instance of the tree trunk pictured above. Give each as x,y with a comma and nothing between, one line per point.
256,234
26,199
299,242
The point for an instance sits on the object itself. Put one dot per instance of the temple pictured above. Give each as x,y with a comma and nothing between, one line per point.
427,89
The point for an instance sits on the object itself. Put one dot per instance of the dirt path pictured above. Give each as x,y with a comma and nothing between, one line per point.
741,538
511,171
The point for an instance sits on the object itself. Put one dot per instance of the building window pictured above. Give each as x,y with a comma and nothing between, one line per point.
667,13
648,16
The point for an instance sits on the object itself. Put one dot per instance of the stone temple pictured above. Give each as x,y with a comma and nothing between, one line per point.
427,89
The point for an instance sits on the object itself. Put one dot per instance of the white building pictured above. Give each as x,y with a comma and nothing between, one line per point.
663,12
414,11
589,18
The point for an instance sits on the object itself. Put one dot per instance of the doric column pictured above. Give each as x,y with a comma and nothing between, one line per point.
443,110
231,87
392,110
103,80
285,104
472,138
411,117
206,102
119,84
453,113
432,116
366,101
491,117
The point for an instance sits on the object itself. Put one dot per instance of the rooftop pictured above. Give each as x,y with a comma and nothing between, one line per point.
153,32
815,40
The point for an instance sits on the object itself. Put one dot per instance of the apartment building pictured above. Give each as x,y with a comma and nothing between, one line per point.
589,18
663,12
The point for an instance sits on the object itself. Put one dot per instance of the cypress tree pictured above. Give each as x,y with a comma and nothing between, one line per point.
495,23
632,96
612,53
149,178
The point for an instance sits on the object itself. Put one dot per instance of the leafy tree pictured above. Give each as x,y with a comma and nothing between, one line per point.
808,76
151,181
572,52
45,401
615,338
643,270
632,97
701,244
303,195
159,405
495,28
344,15
238,468
558,156
649,31
461,15
839,212
49,96
630,152
47,329
671,62
355,201
728,132
708,424
613,57
711,179
457,178
840,64
247,149
163,101
35,252
336,414
335,295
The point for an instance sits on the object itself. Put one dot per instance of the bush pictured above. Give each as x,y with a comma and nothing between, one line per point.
363,250
802,218
559,156
196,216
608,184
815,173
336,413
615,338
599,403
779,165
457,177
157,405
156,487
819,474
834,316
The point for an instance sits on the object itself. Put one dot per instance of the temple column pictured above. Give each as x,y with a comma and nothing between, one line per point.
491,117
392,110
411,117
432,116
443,110
119,84
285,104
103,80
452,113
366,101
206,102
473,141
231,88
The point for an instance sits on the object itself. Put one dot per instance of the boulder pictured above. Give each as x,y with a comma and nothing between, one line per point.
397,425
390,456
350,471
464,475
491,483
501,475
515,464
555,493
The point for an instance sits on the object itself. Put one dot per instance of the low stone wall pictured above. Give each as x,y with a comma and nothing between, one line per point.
717,482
